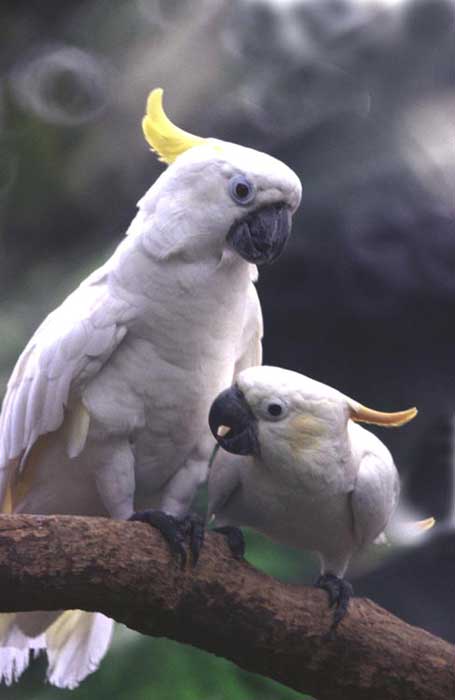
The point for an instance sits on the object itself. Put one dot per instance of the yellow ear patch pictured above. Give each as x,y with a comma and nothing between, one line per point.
164,138
305,431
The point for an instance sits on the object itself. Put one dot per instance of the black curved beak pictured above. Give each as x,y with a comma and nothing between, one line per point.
261,235
231,411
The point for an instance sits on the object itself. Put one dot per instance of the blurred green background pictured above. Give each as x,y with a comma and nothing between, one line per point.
356,96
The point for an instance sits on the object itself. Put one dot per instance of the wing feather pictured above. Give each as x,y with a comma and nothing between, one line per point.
224,480
250,350
374,498
69,348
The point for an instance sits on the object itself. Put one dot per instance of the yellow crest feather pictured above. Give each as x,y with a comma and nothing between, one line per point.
165,139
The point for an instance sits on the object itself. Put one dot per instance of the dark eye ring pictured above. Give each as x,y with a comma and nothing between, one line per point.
241,190
275,409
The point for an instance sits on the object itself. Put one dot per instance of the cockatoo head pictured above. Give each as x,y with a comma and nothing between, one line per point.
276,410
232,197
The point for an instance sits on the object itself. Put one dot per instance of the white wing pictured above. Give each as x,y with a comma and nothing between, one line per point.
68,348
224,476
374,497
250,351
224,480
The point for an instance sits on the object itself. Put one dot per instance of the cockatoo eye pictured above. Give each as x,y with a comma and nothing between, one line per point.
274,409
241,190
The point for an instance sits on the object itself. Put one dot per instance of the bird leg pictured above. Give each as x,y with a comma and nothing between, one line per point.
235,539
176,531
340,592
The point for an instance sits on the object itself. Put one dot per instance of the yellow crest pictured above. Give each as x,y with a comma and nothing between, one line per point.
164,138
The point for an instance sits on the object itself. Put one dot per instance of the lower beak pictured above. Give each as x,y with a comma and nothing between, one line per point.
233,424
260,236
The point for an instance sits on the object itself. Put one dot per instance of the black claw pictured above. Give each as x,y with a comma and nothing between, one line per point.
235,540
172,529
340,593
196,532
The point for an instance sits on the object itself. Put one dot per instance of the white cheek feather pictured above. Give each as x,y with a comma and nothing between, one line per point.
304,452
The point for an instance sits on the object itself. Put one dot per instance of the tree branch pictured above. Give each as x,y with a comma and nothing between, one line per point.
222,605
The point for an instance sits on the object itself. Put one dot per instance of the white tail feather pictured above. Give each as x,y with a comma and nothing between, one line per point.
75,643
13,663
15,649
405,528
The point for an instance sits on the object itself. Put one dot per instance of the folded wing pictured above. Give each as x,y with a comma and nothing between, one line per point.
66,351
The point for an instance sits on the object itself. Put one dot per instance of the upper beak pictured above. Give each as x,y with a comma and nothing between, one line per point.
233,424
262,234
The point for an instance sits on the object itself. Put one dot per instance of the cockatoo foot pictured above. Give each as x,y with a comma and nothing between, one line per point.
235,539
195,530
340,592
175,531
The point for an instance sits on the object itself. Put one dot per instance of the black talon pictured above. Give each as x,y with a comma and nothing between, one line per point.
235,539
196,533
172,529
340,593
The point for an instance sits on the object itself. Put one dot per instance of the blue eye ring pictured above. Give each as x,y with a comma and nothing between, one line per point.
241,190
274,409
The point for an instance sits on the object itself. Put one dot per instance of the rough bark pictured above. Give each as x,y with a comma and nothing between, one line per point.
222,605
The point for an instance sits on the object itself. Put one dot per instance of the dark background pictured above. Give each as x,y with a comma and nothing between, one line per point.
357,97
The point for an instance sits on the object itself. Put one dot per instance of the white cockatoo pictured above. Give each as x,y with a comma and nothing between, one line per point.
309,477
106,410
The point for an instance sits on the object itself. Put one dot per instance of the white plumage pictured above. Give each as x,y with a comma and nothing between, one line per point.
75,642
106,410
309,476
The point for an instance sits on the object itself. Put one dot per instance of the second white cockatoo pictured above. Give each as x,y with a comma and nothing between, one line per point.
106,410
302,471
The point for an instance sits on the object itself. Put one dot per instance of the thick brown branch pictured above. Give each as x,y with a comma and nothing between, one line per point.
223,606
